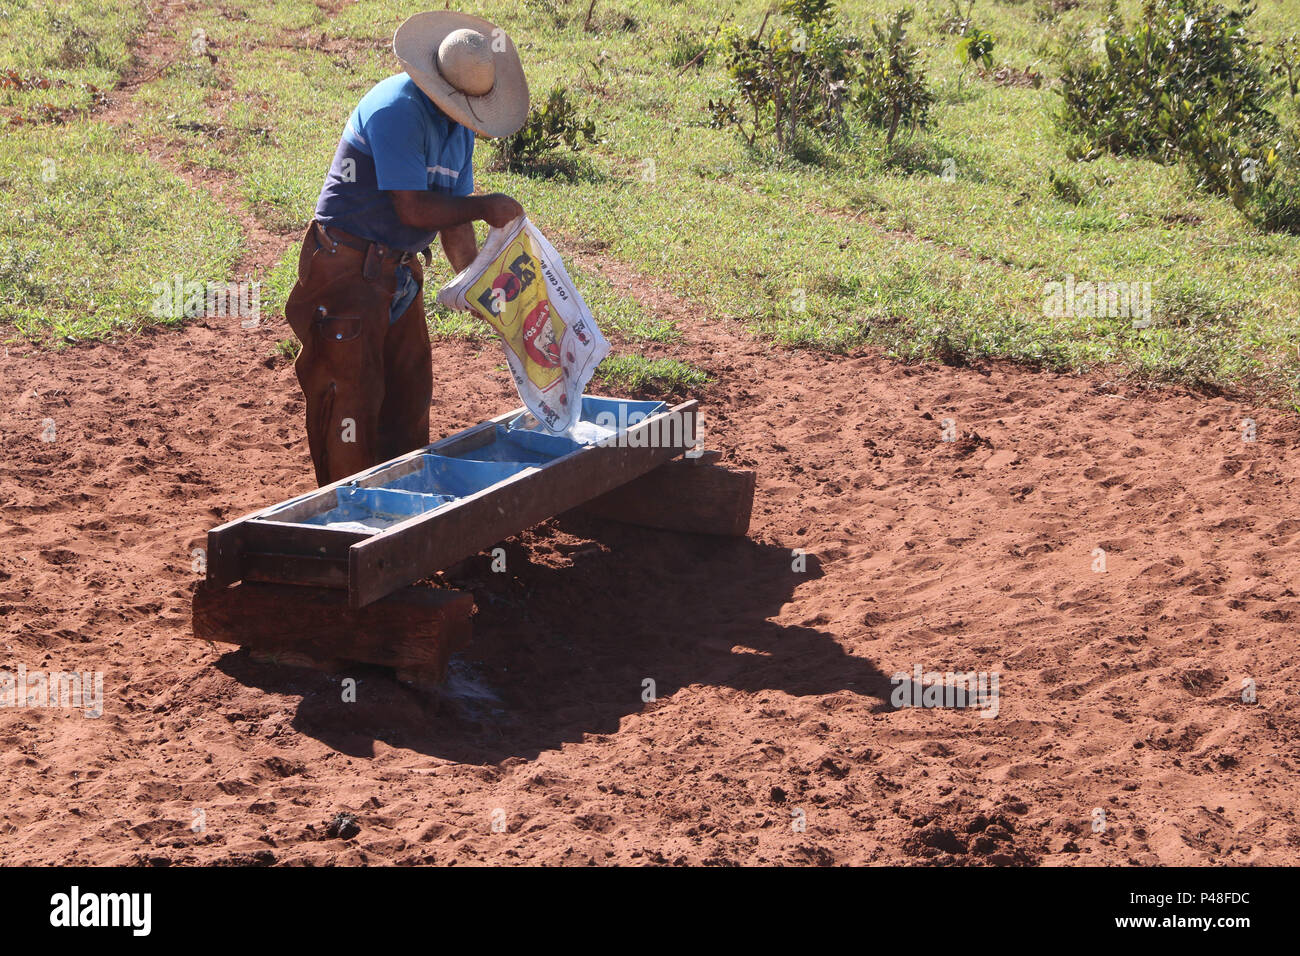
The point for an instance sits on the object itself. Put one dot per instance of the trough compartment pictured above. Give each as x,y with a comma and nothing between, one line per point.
402,520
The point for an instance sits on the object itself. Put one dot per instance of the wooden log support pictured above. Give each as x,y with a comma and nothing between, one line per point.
695,495
414,630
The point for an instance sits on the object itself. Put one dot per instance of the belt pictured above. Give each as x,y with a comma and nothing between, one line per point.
376,253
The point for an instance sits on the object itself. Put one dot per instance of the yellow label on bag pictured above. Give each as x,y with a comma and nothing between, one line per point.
511,297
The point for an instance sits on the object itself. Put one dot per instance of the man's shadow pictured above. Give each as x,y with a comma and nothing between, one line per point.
563,651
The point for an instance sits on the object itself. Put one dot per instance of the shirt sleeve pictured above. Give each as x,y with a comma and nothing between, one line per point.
396,136
465,181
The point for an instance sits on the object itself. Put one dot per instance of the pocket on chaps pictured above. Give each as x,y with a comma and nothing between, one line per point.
337,328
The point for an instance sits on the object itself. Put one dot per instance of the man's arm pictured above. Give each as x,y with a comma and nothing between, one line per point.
460,244
430,211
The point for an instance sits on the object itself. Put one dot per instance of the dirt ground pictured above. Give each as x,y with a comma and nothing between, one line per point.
772,738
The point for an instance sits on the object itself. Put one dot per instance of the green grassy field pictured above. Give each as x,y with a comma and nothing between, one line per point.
858,245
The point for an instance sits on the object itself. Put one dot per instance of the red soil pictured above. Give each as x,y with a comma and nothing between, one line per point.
1119,690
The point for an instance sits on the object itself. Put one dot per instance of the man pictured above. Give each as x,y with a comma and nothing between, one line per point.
403,174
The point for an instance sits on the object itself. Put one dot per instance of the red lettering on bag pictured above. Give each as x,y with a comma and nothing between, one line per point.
539,337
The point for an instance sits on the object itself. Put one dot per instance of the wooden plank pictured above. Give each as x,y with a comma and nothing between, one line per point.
225,544
426,543
304,569
326,497
415,630
484,433
261,534
687,495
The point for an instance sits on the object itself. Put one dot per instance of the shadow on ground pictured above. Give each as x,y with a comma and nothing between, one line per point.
562,650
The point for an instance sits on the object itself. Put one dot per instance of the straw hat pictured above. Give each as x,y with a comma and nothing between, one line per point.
467,66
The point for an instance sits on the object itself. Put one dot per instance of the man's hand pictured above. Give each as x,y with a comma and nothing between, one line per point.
499,209
432,211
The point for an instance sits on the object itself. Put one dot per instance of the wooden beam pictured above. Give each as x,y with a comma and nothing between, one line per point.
688,494
403,553
225,547
279,568
414,630
228,543
261,534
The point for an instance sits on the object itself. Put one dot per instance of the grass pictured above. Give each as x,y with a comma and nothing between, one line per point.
89,226
88,229
446,323
856,244
60,48
636,375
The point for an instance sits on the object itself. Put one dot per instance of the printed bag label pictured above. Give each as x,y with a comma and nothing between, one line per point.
518,285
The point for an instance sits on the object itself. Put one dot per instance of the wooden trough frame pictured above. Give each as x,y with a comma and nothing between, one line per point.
279,556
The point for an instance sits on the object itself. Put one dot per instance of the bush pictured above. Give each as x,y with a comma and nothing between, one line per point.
1284,57
1273,203
1186,83
805,76
975,46
893,90
555,125
1183,62
796,79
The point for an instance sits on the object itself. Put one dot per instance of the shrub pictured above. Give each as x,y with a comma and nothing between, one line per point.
893,89
556,124
1284,55
805,76
1185,60
1273,202
1186,83
1226,155
975,46
796,79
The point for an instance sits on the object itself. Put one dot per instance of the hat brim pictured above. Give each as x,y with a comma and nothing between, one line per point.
498,112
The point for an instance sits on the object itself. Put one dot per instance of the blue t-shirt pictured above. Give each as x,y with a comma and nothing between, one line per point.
396,138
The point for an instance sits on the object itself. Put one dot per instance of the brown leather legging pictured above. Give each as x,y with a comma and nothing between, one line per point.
368,383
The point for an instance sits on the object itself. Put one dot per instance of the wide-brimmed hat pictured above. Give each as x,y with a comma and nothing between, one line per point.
468,67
